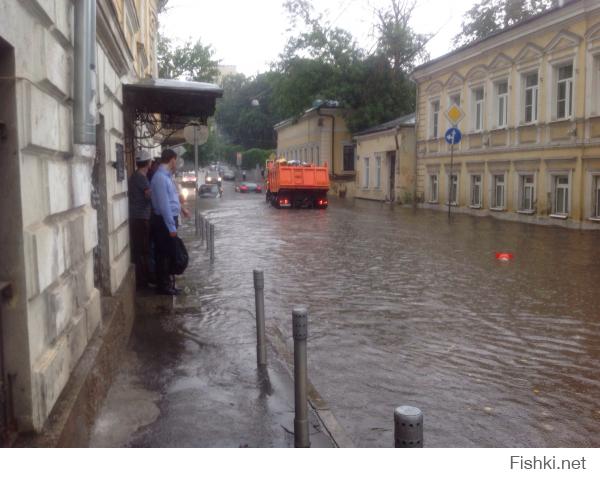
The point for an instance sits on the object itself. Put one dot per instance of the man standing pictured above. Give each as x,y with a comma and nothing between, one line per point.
163,224
139,214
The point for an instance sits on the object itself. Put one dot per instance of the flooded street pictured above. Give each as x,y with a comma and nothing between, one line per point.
407,309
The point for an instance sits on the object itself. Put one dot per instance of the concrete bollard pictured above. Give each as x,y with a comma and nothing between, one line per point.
300,328
408,427
212,243
259,300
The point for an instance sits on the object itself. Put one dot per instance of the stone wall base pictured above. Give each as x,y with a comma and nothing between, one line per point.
71,420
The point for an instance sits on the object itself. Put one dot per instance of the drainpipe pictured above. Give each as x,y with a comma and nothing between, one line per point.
332,139
84,109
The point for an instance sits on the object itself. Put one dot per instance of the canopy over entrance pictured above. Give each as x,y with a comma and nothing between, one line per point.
172,98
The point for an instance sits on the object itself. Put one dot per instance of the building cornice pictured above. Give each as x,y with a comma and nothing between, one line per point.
552,20
111,37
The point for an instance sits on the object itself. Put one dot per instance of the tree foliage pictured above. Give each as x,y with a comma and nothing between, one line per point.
245,115
397,41
490,16
190,61
324,62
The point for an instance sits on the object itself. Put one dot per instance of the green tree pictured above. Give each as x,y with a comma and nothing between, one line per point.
321,62
245,115
191,61
397,41
490,16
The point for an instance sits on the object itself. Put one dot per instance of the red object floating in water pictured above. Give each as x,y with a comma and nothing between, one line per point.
504,256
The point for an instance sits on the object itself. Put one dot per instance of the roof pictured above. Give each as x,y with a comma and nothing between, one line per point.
317,105
493,35
406,120
172,97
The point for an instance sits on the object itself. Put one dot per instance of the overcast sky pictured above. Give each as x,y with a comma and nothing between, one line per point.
251,34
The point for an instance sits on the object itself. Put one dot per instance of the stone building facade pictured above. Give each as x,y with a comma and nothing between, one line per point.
386,161
64,239
320,136
531,132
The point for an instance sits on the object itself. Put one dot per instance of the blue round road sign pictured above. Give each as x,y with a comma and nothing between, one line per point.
453,136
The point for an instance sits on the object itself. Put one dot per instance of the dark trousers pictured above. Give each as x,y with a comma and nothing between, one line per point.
164,251
140,249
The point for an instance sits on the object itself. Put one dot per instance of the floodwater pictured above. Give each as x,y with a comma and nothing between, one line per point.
407,308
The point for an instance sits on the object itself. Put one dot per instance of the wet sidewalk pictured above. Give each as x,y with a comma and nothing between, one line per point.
190,377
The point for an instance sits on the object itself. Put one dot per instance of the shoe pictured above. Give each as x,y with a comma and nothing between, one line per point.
177,289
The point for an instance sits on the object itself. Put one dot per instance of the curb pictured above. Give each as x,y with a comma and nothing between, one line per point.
334,429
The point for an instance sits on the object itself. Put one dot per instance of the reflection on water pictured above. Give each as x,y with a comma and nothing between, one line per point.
409,309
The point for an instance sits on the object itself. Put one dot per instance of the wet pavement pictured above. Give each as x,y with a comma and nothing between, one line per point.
405,309
190,378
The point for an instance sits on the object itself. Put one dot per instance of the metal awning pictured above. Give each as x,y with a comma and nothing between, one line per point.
172,97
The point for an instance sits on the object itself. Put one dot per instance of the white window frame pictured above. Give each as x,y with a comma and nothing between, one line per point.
521,187
478,107
476,203
494,206
569,90
434,112
535,97
378,171
449,189
367,171
501,104
595,211
554,186
433,193
452,99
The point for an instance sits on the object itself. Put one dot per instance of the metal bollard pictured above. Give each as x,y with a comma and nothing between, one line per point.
259,300
408,427
212,243
207,234
300,328
201,227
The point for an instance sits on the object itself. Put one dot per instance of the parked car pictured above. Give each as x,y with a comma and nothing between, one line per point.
248,188
208,191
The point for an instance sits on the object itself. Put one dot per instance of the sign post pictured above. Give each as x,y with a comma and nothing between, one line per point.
453,136
196,134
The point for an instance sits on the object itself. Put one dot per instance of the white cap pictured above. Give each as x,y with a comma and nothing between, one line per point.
142,156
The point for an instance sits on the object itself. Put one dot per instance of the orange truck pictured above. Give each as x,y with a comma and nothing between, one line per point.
296,185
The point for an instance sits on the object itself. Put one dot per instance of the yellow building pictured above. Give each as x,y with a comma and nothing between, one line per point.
531,132
386,161
316,137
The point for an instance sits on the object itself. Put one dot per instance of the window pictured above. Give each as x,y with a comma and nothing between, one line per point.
476,190
367,179
596,199
478,109
531,98
564,89
378,169
453,189
502,103
498,191
454,99
435,117
433,188
560,189
526,193
349,157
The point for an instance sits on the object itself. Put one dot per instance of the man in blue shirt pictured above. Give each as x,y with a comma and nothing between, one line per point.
164,222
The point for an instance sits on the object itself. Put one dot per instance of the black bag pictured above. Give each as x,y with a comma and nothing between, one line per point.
180,257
